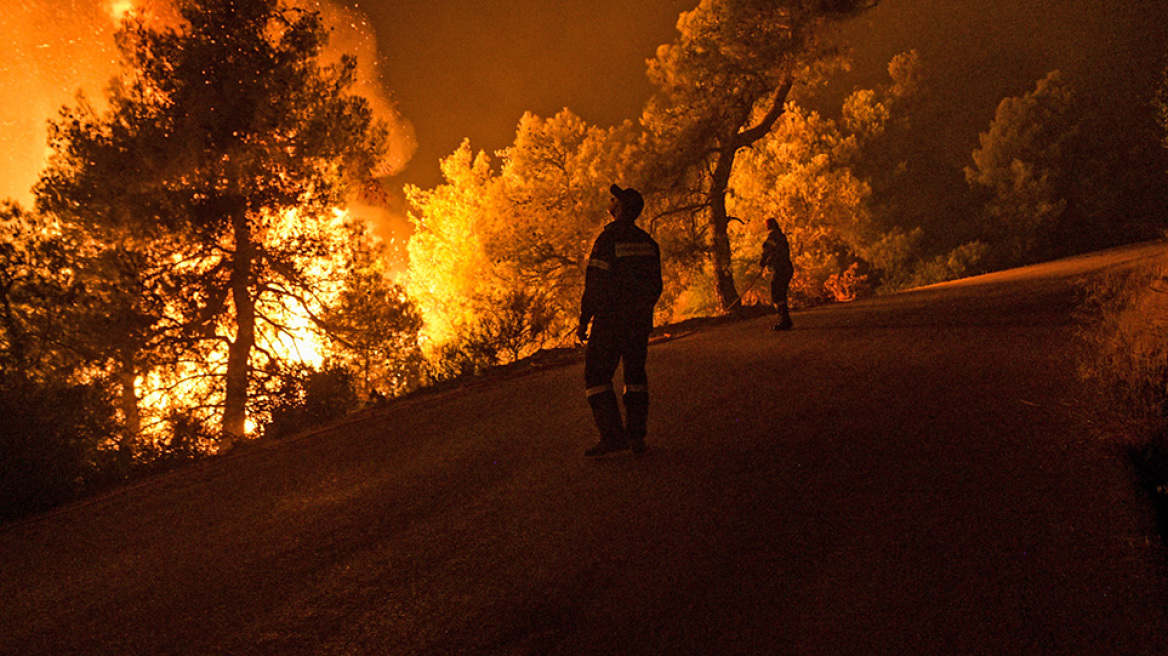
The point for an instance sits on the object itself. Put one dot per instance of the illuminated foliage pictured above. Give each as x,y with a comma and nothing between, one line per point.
800,177
227,146
804,175
448,266
555,179
723,84
497,258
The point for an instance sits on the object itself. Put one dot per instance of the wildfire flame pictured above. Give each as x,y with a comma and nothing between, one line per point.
290,335
53,48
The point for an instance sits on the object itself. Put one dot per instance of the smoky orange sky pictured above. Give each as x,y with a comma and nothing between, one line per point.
470,68
51,49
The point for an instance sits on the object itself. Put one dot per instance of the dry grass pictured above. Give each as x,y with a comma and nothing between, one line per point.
1125,330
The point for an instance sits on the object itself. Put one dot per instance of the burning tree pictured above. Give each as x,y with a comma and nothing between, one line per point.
722,87
218,169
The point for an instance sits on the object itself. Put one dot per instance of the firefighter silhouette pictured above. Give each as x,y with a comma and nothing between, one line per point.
776,255
621,286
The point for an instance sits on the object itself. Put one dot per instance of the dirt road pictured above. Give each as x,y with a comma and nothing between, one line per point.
914,474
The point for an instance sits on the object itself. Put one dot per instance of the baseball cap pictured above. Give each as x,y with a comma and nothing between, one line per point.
630,199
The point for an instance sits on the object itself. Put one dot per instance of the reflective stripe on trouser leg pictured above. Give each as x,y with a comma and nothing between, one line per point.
600,362
599,389
607,415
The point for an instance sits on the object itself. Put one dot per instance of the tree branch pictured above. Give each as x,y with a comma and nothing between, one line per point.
778,106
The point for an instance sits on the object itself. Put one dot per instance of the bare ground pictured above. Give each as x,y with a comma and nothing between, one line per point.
921,473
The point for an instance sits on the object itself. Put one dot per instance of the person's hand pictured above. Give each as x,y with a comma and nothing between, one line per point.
582,332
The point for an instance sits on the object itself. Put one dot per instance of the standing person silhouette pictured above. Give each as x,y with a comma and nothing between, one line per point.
621,286
776,255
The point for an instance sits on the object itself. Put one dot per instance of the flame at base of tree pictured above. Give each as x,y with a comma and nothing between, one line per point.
219,274
291,338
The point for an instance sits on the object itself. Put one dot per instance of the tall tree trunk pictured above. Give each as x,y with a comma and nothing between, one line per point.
720,183
239,351
719,224
131,414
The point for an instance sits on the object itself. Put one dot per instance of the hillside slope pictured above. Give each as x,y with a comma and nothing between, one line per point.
913,474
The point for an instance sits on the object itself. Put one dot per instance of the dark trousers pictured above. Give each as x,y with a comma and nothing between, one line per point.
780,284
610,344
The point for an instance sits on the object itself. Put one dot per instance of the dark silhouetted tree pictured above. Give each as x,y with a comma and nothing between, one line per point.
54,413
372,324
1024,165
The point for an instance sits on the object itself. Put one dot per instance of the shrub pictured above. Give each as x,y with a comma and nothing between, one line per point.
1126,335
187,438
961,262
50,433
1127,354
311,398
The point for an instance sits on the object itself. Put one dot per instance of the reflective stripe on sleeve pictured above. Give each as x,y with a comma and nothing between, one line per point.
636,388
635,249
600,264
599,389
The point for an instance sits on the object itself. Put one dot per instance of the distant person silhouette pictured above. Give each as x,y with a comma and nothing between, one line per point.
776,255
621,286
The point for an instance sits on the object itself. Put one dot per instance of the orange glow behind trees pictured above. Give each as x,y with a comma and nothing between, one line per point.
219,165
191,254
119,9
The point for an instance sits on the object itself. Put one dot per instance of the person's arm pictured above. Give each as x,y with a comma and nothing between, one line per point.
597,279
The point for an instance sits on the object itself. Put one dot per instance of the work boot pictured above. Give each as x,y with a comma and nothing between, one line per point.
782,325
603,448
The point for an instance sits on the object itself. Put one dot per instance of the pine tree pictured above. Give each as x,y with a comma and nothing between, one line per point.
232,133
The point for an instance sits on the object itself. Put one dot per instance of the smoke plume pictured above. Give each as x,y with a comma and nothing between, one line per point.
51,49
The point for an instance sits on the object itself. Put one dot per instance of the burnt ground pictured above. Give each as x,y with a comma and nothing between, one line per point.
921,473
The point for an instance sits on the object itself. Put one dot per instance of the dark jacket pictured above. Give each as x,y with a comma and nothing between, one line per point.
623,281
776,253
